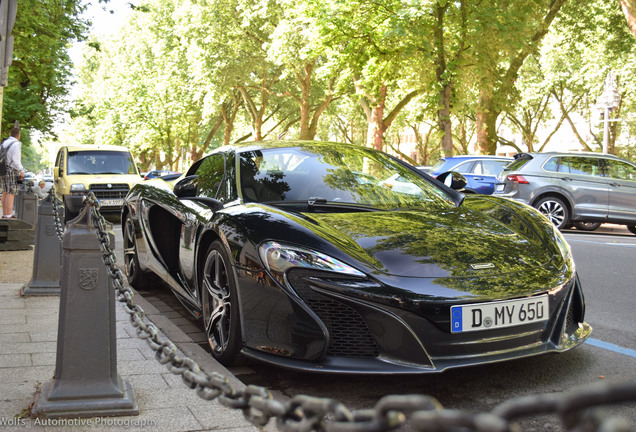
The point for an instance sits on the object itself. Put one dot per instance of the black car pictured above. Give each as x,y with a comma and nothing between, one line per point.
300,254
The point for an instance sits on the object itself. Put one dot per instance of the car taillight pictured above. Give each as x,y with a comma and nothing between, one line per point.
517,179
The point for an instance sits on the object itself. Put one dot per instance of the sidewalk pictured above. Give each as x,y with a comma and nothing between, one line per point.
28,335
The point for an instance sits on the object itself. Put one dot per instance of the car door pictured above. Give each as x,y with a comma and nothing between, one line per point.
484,175
583,181
622,190
210,175
466,168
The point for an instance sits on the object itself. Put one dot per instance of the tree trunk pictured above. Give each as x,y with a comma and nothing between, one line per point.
304,81
375,119
486,126
629,9
444,119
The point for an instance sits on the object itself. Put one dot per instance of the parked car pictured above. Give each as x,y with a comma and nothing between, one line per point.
294,253
584,189
480,171
159,173
107,171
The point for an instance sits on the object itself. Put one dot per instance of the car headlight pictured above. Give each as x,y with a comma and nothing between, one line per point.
279,258
78,187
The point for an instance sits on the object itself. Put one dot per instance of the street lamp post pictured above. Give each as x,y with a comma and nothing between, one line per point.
608,101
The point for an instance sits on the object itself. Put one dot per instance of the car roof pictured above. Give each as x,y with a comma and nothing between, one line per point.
573,153
80,147
477,157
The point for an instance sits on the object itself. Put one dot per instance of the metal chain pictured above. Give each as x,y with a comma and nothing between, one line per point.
306,413
56,204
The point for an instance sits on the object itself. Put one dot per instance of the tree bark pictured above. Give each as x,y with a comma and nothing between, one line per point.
629,9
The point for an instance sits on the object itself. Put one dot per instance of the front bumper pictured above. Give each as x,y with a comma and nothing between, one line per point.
333,331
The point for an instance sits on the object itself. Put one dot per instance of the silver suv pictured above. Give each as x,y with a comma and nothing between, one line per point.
581,189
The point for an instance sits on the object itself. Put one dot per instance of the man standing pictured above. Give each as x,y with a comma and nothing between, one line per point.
15,172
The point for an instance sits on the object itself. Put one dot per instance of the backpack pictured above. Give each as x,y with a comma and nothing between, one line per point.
4,163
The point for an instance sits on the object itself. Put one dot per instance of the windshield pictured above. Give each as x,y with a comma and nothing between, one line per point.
100,162
329,174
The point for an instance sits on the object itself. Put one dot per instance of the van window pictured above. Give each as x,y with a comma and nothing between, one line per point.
100,162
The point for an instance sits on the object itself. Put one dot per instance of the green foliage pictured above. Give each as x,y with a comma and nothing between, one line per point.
184,76
41,74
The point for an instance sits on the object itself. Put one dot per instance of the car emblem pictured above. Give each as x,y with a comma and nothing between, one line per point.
482,266
109,186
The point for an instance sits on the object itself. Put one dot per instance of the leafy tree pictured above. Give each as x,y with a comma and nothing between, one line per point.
41,73
508,34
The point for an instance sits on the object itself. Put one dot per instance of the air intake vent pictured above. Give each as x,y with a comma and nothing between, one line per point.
350,336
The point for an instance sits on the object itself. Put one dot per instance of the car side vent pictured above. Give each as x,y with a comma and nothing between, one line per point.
350,335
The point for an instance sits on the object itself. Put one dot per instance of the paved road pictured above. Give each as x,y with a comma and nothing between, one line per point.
604,261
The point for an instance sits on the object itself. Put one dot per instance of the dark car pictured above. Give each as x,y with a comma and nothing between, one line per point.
300,254
581,189
480,171
161,173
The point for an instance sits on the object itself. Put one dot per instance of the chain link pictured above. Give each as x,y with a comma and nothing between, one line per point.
307,413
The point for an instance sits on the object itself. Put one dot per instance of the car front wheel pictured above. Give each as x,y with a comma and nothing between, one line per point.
555,210
220,305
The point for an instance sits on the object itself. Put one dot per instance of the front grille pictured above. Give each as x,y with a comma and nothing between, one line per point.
115,191
350,335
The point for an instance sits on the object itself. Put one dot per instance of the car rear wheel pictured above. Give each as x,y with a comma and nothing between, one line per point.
220,305
136,278
587,226
555,210
632,229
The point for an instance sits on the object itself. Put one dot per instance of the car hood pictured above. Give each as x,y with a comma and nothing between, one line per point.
455,242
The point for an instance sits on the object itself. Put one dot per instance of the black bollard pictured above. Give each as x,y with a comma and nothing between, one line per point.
47,256
86,382
28,206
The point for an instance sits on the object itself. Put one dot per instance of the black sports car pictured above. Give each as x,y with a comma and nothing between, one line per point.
337,258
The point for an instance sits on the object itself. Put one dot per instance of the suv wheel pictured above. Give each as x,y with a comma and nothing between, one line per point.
555,210
587,226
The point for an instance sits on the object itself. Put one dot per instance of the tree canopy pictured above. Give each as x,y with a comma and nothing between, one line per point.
184,76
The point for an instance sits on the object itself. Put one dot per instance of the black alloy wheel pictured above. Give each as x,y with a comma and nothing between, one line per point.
555,210
587,226
220,305
136,278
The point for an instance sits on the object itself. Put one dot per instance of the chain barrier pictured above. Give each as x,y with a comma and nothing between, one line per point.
306,413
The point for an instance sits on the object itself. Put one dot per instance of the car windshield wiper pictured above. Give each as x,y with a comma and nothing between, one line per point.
321,203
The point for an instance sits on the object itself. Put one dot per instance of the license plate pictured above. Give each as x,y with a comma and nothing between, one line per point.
508,313
499,188
111,202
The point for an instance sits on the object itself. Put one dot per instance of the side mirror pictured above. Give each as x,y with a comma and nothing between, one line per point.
186,187
56,172
453,180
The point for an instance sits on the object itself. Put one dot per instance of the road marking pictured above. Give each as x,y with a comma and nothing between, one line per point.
611,347
629,245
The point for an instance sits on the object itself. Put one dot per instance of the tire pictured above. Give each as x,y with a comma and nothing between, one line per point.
136,277
219,301
555,210
587,226
632,229
68,214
